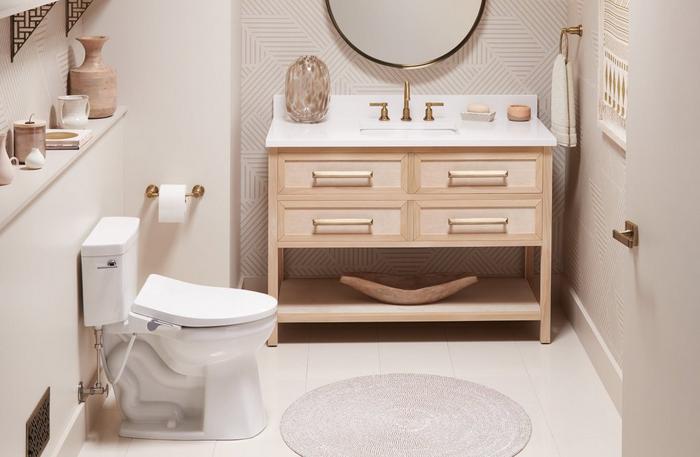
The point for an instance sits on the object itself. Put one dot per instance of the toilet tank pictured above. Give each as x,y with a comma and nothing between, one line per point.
110,270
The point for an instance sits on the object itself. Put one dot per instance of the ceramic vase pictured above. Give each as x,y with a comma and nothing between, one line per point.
95,79
7,170
308,90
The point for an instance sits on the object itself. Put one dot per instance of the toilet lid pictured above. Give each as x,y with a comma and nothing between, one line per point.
191,305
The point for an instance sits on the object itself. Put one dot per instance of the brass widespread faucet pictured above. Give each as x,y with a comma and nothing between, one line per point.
406,101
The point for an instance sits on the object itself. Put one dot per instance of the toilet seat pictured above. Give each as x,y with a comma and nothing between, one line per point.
192,305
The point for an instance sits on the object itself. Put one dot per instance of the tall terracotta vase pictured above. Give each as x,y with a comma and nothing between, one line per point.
95,79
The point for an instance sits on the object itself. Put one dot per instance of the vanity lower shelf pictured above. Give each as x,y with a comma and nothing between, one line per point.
491,299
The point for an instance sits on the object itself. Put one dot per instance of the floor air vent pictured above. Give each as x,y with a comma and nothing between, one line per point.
38,426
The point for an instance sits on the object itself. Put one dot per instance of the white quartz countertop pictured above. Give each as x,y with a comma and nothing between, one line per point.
349,114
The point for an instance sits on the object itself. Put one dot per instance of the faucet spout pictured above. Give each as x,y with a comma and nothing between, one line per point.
406,101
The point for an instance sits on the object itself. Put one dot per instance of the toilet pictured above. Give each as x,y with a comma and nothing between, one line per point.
181,357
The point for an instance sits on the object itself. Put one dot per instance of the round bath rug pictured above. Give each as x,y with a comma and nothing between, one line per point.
405,415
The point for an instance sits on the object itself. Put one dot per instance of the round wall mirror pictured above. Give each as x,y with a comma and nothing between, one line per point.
406,33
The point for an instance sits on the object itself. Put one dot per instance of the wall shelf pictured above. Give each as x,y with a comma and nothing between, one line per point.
29,184
491,299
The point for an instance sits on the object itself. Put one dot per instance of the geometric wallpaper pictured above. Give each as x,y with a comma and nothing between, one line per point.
511,52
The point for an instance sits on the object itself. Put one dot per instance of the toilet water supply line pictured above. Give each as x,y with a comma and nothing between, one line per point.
98,388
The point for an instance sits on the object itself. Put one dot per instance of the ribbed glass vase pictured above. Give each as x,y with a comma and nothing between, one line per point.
308,90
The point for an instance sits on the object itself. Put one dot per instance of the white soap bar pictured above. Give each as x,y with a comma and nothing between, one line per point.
478,108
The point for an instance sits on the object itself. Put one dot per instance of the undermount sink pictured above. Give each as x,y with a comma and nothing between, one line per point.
421,128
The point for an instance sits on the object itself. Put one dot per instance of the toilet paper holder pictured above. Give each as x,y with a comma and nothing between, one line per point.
152,191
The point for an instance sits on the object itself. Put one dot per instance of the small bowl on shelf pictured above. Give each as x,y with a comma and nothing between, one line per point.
519,113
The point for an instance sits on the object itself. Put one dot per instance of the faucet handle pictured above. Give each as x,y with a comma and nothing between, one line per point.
429,110
384,114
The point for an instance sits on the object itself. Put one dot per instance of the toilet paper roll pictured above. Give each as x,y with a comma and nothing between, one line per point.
172,203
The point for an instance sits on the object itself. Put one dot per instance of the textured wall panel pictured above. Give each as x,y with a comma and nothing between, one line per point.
511,52
595,196
39,73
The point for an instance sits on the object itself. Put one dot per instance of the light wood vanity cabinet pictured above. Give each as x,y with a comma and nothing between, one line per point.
411,197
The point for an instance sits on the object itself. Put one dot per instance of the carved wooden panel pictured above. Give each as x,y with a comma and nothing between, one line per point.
24,24
74,11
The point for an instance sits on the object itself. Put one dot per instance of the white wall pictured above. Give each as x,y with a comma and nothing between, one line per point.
173,60
594,207
42,339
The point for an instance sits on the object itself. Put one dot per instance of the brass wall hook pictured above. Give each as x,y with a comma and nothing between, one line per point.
198,191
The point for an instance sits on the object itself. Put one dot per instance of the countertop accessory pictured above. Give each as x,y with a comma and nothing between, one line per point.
72,111
407,290
29,134
384,113
388,415
95,79
60,139
74,11
24,24
429,110
152,191
7,169
519,113
478,108
479,117
308,90
35,160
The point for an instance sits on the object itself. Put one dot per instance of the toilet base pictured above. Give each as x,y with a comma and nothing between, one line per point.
188,430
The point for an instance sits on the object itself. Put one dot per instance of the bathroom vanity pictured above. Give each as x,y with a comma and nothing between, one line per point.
356,182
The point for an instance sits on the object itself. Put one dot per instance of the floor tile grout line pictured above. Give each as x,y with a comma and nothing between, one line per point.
545,416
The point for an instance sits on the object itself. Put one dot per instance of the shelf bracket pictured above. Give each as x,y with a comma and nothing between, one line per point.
74,11
24,24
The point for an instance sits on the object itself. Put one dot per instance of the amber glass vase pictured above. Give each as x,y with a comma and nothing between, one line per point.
308,90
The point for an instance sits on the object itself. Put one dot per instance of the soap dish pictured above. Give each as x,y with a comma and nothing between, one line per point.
479,117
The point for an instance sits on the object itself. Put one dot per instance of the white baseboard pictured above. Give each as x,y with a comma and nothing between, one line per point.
84,416
605,364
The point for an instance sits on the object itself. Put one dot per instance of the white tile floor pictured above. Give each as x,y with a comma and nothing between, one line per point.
571,413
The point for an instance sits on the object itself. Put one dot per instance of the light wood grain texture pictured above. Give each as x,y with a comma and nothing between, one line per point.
442,220
330,301
407,290
411,201
274,262
545,296
299,221
448,173
296,173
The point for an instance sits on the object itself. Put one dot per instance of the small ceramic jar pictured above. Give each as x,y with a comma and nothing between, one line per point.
28,135
519,113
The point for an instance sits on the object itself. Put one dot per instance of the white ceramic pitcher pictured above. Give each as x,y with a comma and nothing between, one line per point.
72,111
7,169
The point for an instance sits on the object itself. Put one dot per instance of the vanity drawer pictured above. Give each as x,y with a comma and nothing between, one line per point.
342,172
478,220
493,172
330,221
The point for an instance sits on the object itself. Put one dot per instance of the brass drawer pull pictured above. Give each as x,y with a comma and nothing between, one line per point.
343,174
479,221
478,174
329,222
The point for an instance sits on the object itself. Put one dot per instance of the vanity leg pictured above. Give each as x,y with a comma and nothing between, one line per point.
274,276
275,262
530,267
546,254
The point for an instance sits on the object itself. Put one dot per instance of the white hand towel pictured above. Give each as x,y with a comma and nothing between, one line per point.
563,103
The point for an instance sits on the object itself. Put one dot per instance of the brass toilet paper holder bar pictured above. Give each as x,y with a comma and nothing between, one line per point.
152,191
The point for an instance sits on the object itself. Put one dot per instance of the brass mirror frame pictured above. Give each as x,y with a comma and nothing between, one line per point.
401,66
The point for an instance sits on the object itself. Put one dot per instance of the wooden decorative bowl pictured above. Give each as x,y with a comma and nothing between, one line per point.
408,290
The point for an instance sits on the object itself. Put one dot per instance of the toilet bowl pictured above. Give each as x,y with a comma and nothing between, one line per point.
184,354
